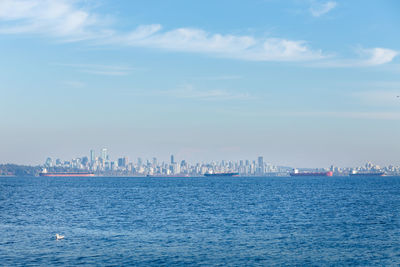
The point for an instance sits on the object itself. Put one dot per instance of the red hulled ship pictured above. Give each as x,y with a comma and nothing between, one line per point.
45,173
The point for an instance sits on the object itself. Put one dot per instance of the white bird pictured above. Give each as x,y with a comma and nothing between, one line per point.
58,237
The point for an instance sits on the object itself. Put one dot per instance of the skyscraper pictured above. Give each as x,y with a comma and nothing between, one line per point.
49,162
172,159
260,161
260,167
104,155
122,162
92,157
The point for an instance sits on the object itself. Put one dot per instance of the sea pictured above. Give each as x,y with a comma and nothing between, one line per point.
231,221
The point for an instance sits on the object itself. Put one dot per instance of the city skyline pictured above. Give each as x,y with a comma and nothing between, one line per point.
104,161
301,82
122,166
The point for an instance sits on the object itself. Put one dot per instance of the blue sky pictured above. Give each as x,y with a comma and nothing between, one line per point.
303,82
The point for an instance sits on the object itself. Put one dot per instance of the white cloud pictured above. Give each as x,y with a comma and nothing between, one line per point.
368,58
142,32
64,19
58,18
230,46
378,56
319,9
68,20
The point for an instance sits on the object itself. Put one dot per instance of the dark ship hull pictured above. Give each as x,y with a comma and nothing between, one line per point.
66,174
367,174
295,174
222,174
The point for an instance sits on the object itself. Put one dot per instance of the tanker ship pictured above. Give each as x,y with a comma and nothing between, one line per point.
168,175
45,173
296,173
221,174
376,173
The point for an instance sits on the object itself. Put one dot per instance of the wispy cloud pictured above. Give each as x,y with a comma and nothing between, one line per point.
59,18
190,92
74,84
229,46
71,20
368,58
379,97
379,85
64,19
379,56
346,115
318,9
108,70
220,78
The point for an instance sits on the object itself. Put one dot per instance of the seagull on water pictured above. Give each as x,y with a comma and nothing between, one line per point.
58,237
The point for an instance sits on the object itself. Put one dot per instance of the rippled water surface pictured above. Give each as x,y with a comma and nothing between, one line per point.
200,221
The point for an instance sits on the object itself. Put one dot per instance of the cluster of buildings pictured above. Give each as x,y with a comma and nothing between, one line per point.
367,168
102,164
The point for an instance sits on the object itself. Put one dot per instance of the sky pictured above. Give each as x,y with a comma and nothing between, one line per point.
304,83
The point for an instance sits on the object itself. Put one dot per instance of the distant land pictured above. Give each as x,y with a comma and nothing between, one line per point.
19,170
104,166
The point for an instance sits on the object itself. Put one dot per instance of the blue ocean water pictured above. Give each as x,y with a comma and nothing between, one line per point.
200,221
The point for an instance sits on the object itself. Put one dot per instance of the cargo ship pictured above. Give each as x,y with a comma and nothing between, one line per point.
168,175
45,173
354,173
296,173
221,174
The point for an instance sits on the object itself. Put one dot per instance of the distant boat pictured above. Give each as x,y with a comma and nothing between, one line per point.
221,174
367,174
45,173
296,173
168,175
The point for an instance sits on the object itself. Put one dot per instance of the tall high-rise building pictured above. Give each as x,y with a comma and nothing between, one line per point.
172,159
123,162
104,154
92,157
176,168
260,165
49,162
260,161
84,161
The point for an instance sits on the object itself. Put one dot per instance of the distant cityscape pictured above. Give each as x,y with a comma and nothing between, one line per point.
102,164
